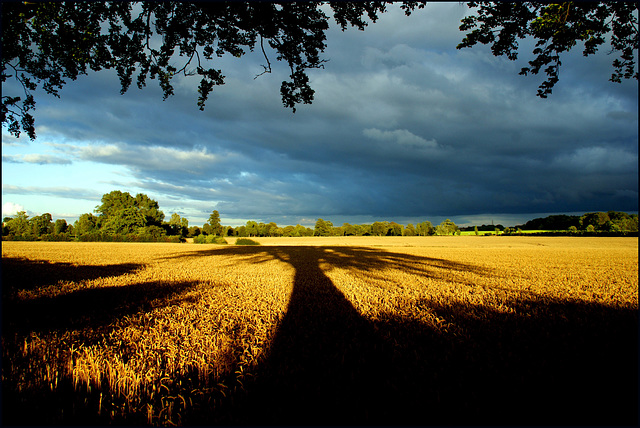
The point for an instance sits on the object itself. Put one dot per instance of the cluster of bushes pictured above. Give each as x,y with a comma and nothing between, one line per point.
99,236
246,241
209,239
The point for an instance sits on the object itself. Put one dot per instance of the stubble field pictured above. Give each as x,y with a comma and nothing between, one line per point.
413,330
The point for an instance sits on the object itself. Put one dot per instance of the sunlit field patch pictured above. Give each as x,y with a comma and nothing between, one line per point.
390,330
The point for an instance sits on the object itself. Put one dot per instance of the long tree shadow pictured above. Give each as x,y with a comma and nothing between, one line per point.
548,361
20,273
82,316
78,309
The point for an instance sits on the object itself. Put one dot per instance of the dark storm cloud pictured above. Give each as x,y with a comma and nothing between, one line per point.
403,126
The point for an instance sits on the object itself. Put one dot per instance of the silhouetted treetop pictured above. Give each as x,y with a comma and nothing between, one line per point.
45,44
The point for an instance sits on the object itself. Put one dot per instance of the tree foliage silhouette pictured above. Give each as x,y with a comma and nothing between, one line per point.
48,43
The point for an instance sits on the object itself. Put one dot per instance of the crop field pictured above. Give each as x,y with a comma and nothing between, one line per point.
459,330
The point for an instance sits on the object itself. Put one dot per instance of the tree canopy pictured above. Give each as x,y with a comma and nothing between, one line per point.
556,28
45,44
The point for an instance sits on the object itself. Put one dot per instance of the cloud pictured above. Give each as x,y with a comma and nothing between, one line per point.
403,125
59,192
599,159
401,137
36,159
146,158
10,209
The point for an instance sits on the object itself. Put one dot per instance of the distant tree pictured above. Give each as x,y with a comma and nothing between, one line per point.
19,224
475,230
447,227
151,233
214,222
60,226
379,228
322,228
425,229
121,213
86,223
252,228
124,221
348,229
553,222
409,230
394,229
272,229
241,231
206,229
288,231
178,225
596,219
149,209
41,225
114,201
623,222
363,229
194,231
300,230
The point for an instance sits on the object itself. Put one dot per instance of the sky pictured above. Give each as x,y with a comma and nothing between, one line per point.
404,127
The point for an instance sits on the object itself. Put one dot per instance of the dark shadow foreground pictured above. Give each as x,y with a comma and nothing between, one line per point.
547,362
544,362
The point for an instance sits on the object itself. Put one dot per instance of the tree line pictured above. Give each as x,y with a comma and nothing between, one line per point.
123,217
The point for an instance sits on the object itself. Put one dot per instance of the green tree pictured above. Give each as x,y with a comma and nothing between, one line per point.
124,221
623,222
322,228
86,223
300,230
152,232
447,227
122,213
395,229
379,228
273,229
425,229
113,202
348,229
598,220
178,226
241,231
556,28
41,225
251,228
214,222
409,230
19,224
149,209
194,231
60,226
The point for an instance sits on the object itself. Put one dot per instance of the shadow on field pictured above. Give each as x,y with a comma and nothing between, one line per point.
26,274
534,360
539,361
79,309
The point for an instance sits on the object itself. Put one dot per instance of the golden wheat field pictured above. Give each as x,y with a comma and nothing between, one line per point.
353,330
